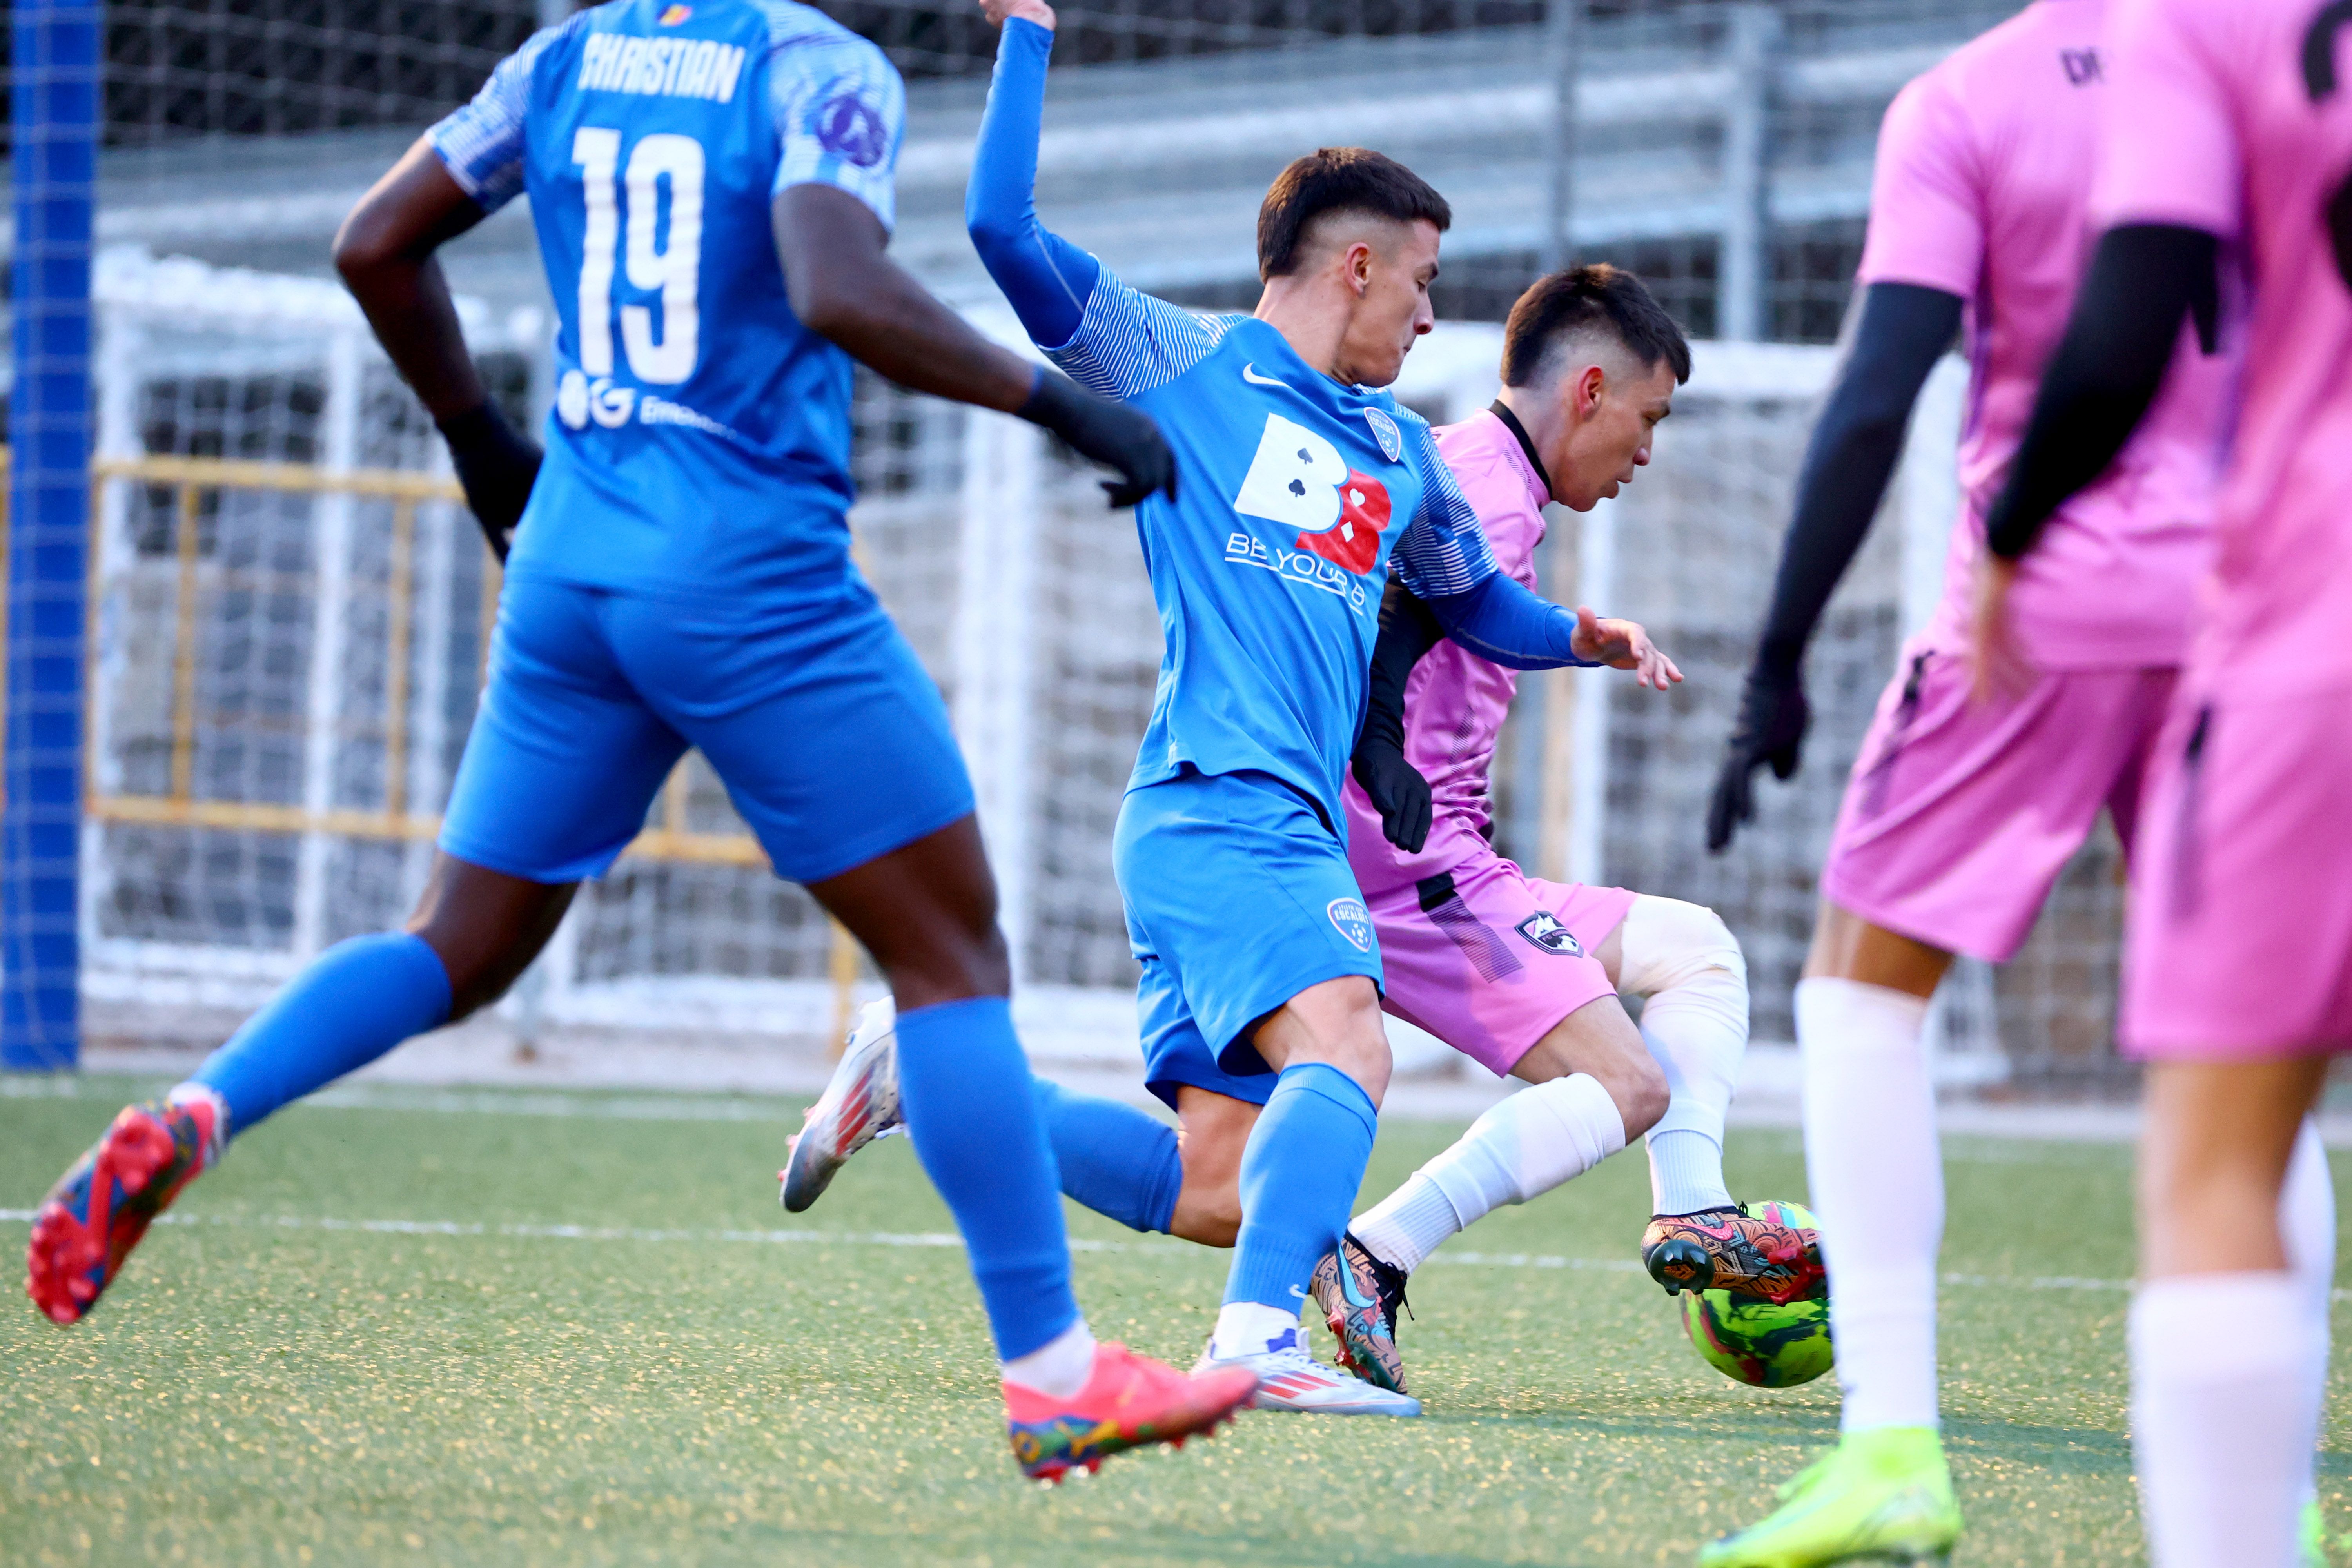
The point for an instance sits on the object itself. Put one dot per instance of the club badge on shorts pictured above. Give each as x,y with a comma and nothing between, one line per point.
1384,431
1348,919
1544,929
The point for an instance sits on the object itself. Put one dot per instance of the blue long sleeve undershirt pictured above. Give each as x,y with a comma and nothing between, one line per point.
1047,279
1501,621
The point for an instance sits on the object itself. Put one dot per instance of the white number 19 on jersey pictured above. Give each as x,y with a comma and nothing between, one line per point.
673,269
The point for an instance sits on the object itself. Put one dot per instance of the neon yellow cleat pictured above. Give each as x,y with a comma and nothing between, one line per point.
1883,1496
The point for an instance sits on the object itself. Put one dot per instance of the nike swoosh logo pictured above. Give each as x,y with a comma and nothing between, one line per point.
1250,374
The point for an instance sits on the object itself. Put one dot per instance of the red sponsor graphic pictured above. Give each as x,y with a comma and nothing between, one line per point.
1355,542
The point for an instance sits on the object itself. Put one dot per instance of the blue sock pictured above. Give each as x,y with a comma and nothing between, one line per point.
963,1086
1300,1170
354,1002
1118,1160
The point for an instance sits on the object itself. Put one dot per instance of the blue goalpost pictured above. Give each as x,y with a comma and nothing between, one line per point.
56,88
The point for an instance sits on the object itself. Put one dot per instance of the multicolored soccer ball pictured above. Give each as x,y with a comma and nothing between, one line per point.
1755,1341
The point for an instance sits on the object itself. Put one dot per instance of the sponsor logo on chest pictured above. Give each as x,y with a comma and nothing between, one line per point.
1334,515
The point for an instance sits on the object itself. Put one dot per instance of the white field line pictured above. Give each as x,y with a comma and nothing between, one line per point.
528,1102
948,1240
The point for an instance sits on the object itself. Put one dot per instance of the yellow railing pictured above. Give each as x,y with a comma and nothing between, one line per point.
189,479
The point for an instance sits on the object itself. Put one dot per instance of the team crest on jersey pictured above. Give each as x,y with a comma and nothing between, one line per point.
1348,919
1384,431
673,14
1544,929
852,127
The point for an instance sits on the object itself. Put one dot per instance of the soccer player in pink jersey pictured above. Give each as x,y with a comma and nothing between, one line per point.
1991,756
1519,973
2224,189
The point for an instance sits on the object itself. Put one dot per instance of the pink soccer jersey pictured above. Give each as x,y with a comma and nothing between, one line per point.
1472,694
1980,190
2235,117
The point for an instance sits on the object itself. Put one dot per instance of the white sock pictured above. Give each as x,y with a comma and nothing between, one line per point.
1685,961
1525,1145
2307,1225
2224,1417
1249,1328
1060,1366
1877,1179
1686,1171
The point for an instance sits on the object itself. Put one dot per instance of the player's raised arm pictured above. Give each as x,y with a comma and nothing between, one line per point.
384,251
1130,342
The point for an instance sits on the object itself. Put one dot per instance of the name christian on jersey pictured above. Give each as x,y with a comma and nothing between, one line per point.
1298,479
660,68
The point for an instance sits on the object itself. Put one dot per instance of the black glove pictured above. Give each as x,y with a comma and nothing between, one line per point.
1112,434
496,468
1396,790
1773,717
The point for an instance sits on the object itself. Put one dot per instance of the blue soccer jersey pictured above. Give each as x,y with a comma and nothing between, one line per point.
700,436
1297,494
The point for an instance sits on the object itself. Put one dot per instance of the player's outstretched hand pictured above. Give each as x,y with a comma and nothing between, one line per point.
496,468
1622,645
1773,718
1396,790
1112,434
999,12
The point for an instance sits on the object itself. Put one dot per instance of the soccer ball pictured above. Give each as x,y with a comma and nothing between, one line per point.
1755,1341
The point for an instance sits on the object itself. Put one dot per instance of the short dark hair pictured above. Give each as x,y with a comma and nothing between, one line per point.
1601,296
1333,180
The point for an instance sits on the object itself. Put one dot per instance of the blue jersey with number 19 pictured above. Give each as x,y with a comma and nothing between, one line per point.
700,436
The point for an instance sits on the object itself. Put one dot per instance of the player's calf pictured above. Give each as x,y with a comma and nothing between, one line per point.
102,1207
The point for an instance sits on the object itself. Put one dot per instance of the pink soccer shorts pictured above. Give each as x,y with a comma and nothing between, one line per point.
1959,816
1488,959
2239,943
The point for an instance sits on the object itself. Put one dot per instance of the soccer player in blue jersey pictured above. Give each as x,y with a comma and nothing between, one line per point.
712,187
1300,481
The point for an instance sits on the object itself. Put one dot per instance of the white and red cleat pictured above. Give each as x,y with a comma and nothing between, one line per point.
860,1104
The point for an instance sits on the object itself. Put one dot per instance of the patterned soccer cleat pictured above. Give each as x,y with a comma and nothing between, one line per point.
860,1104
1361,1295
1129,1401
1883,1496
1290,1379
99,1210
1730,1249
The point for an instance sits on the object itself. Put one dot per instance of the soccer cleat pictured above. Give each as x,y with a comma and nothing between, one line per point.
1360,1295
1129,1401
1730,1249
99,1210
1290,1379
1883,1495
860,1104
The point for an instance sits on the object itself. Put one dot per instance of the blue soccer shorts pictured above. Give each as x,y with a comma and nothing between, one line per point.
832,741
1238,898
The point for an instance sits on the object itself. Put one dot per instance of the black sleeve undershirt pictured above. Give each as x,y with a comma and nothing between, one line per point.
1904,330
1408,631
2143,278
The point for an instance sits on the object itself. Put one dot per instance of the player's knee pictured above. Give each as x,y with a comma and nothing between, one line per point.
1642,1095
1669,942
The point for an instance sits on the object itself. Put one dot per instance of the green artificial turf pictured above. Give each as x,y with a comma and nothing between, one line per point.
654,1376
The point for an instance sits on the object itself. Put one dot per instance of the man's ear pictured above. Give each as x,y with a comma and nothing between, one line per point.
1357,263
1585,388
